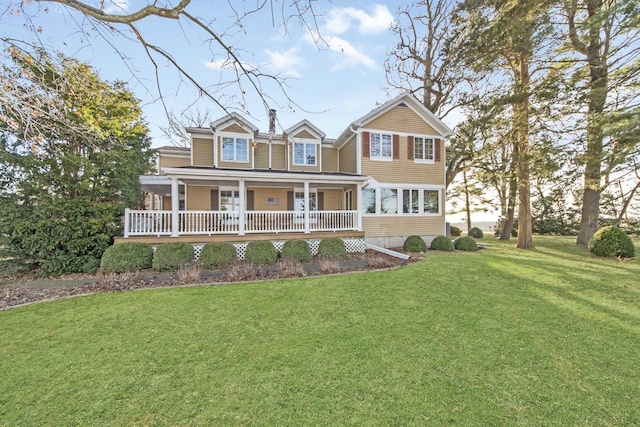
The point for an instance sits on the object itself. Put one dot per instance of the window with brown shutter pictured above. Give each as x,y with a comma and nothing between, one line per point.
365,144
215,203
436,149
320,201
396,146
251,200
289,200
410,147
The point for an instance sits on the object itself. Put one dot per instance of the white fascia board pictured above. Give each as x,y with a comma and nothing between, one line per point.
185,173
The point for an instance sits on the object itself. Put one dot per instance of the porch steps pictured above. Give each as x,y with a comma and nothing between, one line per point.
386,251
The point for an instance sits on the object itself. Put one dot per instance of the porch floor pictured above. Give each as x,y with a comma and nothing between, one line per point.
235,238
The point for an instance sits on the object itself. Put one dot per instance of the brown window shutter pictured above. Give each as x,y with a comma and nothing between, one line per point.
365,144
410,147
436,149
251,203
396,146
320,201
215,202
289,200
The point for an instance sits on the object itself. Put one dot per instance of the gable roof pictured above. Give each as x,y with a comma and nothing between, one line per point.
407,100
306,125
233,118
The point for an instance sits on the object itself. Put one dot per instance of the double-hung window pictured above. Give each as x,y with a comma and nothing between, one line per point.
304,154
381,146
230,200
423,148
235,149
431,201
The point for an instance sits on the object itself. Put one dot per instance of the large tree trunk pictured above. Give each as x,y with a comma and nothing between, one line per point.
521,124
513,192
597,97
467,202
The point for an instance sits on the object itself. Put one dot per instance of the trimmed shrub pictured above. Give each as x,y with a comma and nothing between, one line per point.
476,233
261,252
216,255
298,249
414,244
332,247
129,256
170,256
442,243
611,242
454,231
465,243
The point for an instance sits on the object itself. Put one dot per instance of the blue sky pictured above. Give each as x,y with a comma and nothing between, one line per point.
335,84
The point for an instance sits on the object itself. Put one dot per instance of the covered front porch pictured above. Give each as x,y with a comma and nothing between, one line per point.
220,202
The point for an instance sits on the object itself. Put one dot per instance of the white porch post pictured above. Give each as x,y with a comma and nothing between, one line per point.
242,208
360,205
306,208
152,199
127,221
175,204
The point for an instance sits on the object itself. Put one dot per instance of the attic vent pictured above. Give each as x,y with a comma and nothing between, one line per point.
402,104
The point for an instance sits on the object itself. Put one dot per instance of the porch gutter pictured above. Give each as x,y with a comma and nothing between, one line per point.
386,251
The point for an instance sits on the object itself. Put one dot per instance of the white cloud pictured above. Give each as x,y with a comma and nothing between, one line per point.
347,55
339,20
219,64
287,62
115,6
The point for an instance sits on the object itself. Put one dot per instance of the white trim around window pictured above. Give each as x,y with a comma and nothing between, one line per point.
381,146
403,200
305,152
424,149
234,147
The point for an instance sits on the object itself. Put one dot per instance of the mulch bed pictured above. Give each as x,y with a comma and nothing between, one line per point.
24,291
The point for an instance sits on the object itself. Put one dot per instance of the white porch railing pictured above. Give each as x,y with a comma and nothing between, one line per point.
158,223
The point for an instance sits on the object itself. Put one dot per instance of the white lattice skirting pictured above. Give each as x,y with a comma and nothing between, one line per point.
353,245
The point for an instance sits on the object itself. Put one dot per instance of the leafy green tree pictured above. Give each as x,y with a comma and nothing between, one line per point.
71,150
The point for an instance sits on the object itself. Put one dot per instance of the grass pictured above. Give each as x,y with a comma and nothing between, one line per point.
549,336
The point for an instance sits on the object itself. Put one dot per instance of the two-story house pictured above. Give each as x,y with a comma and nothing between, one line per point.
381,180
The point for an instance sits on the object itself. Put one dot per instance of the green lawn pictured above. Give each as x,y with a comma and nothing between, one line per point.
549,336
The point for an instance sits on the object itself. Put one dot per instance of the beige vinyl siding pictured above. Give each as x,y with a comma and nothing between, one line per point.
332,199
305,168
174,162
198,198
279,156
401,119
329,159
261,195
261,153
348,156
235,128
404,170
387,226
202,149
304,134
234,165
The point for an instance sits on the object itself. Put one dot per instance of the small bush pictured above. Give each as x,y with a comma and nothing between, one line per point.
298,249
129,256
332,247
261,252
329,264
241,270
611,242
465,244
170,256
217,255
442,243
455,231
291,267
476,233
112,282
415,244
189,273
